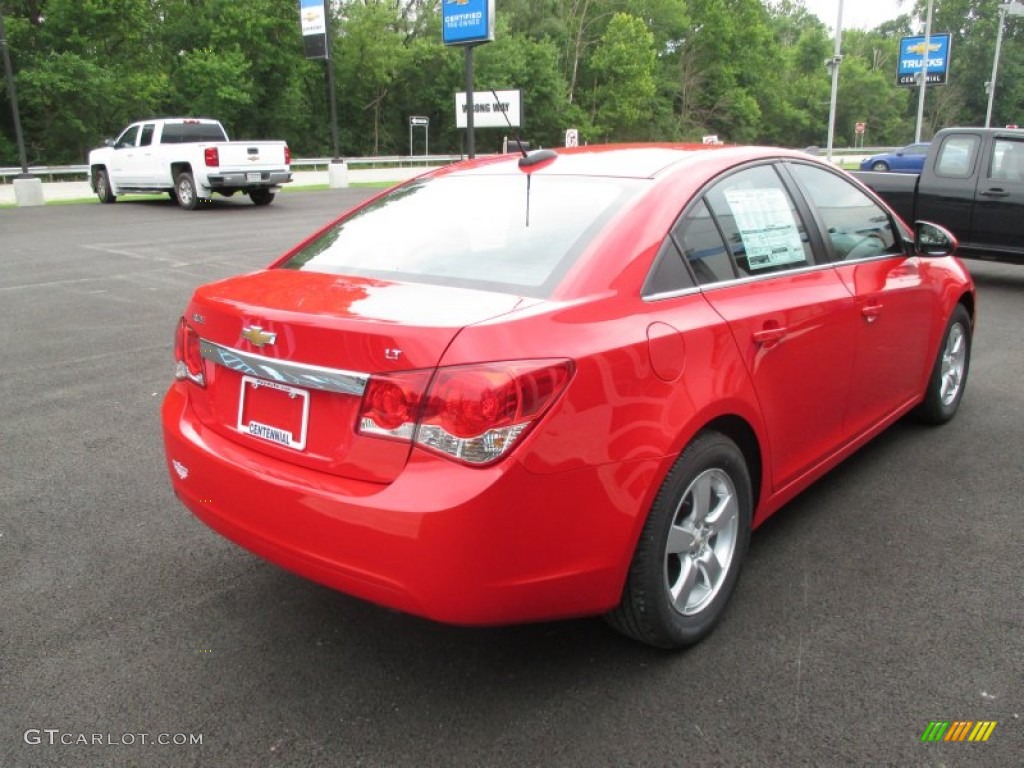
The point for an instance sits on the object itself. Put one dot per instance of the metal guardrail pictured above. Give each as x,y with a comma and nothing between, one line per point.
49,172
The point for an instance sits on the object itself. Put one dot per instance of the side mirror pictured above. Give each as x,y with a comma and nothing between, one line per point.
108,142
933,240
899,153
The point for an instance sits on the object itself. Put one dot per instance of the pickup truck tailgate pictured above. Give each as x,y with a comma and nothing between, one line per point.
252,155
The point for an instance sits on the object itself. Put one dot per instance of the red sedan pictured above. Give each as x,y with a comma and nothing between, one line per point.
562,384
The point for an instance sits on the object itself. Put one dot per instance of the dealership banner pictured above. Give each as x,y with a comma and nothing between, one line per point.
467,22
911,60
314,28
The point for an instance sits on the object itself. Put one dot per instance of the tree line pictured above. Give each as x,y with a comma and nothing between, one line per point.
617,70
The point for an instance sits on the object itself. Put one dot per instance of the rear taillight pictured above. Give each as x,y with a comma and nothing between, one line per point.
188,355
287,155
391,404
211,157
472,413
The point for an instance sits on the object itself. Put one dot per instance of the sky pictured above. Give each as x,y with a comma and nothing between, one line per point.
863,14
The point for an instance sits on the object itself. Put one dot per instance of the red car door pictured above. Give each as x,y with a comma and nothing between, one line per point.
793,321
895,306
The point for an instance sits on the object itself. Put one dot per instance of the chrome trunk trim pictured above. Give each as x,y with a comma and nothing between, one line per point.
285,372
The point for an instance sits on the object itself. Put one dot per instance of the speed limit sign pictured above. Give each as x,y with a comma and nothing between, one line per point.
572,137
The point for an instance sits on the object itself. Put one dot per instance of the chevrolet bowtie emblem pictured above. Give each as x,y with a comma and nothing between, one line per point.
257,336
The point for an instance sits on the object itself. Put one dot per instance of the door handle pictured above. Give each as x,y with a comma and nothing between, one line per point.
871,312
994,192
768,336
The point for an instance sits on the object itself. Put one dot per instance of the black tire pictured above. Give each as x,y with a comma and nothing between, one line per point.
261,197
949,374
103,189
185,191
674,599
880,166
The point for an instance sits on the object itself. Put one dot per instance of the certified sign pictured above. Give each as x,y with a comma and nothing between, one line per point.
912,57
572,137
466,22
860,128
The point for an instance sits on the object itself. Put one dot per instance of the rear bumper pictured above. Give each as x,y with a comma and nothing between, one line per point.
455,544
244,180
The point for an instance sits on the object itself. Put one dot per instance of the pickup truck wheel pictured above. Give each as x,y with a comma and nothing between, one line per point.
261,197
103,190
185,191
949,376
880,166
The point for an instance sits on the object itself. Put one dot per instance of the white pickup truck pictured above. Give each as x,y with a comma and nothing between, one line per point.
189,159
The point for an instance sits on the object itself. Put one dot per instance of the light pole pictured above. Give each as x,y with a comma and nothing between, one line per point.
13,94
833,66
923,74
1013,9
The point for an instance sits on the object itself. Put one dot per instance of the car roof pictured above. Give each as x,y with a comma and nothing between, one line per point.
639,161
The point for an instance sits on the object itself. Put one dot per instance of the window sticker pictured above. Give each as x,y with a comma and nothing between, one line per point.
767,227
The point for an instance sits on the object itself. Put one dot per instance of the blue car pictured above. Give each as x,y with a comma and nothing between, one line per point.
909,159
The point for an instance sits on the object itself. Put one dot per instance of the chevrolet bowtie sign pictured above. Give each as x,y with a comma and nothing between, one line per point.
313,17
912,58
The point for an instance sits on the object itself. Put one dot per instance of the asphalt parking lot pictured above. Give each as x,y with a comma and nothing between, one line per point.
889,595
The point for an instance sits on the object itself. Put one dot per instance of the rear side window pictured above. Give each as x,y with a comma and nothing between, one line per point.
515,233
147,135
857,227
670,274
183,133
703,247
763,232
957,156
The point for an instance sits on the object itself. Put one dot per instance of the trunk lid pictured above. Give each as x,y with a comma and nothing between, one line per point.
287,355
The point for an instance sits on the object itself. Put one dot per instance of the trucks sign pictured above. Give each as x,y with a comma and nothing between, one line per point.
912,56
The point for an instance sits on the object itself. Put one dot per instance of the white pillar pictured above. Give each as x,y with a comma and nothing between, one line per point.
337,174
28,191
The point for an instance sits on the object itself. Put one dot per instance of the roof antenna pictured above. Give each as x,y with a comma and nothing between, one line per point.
515,131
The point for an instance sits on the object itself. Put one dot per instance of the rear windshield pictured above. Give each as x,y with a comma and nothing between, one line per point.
183,133
515,234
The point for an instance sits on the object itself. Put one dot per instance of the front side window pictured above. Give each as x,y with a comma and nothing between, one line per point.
1007,160
761,226
857,227
514,233
147,135
127,139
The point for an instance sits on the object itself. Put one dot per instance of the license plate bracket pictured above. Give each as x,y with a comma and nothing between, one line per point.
273,412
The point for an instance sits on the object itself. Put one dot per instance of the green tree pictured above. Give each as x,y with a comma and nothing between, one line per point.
623,67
